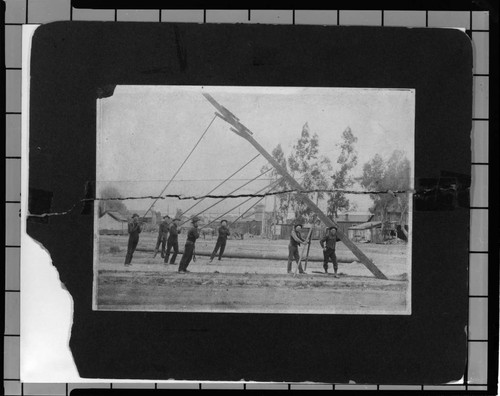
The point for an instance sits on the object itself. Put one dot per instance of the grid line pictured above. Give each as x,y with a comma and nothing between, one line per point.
470,23
19,24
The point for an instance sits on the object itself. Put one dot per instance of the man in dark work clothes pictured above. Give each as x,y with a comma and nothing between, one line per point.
134,229
293,248
192,235
162,236
328,243
221,240
172,241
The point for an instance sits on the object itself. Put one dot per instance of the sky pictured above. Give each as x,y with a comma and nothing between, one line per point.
144,133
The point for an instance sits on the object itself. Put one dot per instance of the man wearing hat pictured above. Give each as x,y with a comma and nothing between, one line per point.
192,235
293,248
172,241
134,229
221,240
328,245
162,235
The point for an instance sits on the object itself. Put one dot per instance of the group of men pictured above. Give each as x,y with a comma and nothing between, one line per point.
193,234
328,243
168,232
168,235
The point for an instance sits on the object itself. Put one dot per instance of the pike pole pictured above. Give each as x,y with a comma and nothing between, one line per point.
308,239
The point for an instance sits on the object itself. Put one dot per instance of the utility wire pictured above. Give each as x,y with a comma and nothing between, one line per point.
244,202
246,211
220,200
220,184
180,167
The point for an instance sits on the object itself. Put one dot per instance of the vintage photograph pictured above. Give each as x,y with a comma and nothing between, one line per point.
254,199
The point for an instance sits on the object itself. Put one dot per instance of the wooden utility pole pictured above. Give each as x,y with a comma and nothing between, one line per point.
245,133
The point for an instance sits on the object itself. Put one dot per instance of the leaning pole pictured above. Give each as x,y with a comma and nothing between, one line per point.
241,130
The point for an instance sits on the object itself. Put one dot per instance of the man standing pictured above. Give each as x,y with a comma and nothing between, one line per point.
221,240
293,248
172,241
192,235
328,245
134,229
162,236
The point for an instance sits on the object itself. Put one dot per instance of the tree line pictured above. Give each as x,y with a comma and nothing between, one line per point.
318,172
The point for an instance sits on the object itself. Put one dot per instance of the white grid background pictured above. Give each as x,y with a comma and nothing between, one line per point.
19,12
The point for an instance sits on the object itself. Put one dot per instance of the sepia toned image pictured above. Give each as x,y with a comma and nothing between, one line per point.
254,199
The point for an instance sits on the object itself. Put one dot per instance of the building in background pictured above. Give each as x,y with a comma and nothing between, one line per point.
283,230
349,219
366,232
113,223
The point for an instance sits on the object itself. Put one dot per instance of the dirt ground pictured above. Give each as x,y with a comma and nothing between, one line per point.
250,285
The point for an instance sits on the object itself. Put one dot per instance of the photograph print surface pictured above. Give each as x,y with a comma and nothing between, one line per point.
254,199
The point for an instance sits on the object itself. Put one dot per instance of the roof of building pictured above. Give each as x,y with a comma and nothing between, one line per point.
115,215
367,225
354,217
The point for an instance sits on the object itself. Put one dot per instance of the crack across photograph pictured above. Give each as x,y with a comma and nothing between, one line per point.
254,199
